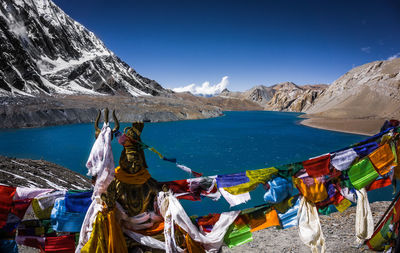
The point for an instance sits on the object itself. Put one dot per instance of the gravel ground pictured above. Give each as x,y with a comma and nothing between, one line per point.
338,229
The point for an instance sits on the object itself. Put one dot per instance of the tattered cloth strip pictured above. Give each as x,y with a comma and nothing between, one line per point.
318,166
256,177
6,199
143,221
174,213
234,200
193,188
101,165
343,159
78,202
364,219
62,244
101,161
382,159
310,231
362,173
138,178
145,240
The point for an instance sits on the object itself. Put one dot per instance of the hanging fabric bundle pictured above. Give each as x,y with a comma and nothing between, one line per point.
364,220
310,231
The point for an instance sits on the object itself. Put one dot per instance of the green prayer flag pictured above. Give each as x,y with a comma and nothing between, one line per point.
236,236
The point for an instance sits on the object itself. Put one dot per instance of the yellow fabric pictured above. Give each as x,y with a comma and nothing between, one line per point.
97,240
139,177
397,168
343,205
39,212
382,159
256,177
271,219
116,239
385,139
314,193
193,246
106,236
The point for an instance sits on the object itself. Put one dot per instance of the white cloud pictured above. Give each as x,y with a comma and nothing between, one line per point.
394,56
205,89
366,49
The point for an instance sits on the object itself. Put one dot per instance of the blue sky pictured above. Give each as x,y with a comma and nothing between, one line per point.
178,43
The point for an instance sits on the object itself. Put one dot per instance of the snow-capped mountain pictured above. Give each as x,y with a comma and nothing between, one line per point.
44,51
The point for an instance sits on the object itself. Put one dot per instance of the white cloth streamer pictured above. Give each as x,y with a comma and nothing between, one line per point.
101,161
101,165
29,193
234,200
364,219
310,231
174,213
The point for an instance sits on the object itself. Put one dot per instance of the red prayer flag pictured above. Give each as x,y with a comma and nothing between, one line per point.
6,199
317,167
63,244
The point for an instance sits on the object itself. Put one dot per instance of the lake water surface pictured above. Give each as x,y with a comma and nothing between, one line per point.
233,143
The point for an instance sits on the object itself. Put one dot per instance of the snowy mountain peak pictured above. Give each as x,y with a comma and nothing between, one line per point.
44,51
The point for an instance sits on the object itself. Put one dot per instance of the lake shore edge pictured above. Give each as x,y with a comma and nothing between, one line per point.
367,127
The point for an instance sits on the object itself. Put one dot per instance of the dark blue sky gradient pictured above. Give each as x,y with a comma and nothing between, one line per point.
253,42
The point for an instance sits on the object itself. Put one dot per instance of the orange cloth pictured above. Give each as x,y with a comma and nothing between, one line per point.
314,193
116,239
154,230
139,177
271,219
382,159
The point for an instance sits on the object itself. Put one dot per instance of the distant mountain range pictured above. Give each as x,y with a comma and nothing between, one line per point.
55,71
285,96
44,51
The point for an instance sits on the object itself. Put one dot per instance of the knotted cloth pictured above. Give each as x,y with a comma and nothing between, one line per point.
364,220
310,231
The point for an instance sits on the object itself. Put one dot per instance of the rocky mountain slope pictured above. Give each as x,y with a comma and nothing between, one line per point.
44,51
360,100
285,96
370,90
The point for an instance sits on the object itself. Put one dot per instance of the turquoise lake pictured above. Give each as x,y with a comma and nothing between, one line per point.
233,143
